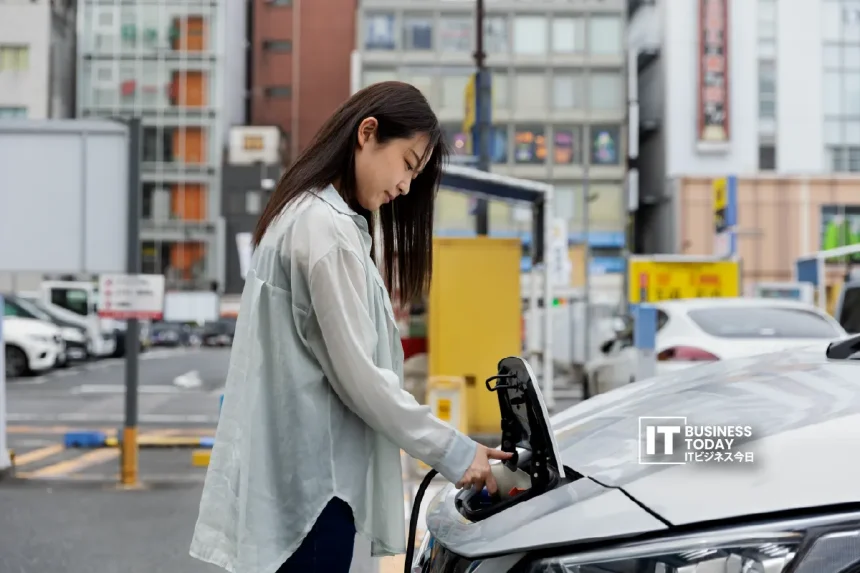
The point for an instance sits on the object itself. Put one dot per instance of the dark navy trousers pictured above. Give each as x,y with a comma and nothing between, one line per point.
328,546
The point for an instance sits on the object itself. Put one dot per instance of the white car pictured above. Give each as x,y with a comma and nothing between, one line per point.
30,346
696,331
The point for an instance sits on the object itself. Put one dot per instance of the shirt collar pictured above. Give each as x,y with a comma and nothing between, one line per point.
333,198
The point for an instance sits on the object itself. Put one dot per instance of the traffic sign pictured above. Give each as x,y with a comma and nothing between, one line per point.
131,296
656,280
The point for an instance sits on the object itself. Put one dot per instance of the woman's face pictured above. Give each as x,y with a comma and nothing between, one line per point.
384,172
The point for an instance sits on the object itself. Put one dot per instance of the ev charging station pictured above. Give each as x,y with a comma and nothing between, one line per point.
812,269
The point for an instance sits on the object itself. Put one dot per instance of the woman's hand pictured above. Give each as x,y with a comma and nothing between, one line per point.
479,475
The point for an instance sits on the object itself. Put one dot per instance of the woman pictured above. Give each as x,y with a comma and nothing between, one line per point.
307,451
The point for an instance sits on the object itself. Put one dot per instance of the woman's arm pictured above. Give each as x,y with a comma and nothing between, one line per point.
344,347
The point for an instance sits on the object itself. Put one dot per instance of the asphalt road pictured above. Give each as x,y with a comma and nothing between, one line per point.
63,511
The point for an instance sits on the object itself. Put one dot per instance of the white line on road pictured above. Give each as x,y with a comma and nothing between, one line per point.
120,389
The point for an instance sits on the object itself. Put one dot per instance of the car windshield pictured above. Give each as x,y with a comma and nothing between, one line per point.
33,309
762,322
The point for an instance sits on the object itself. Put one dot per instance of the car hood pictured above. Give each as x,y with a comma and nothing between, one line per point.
30,326
805,414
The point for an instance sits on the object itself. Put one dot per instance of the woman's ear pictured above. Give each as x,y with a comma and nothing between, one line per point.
367,131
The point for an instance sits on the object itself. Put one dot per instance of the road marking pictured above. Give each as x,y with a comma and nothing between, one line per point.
83,461
38,455
120,389
112,418
188,380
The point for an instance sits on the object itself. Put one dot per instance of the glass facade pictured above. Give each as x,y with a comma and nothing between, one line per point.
158,60
559,100
841,55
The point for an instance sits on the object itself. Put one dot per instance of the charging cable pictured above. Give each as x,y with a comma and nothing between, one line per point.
413,519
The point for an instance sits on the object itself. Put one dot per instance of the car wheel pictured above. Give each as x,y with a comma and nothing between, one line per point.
16,362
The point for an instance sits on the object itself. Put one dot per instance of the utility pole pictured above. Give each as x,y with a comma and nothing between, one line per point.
129,446
483,105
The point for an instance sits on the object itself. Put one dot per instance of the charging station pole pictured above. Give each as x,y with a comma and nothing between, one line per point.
481,130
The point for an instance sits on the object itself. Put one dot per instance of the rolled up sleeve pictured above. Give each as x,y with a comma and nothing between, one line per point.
345,345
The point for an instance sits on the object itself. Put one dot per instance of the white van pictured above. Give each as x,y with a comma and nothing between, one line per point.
75,301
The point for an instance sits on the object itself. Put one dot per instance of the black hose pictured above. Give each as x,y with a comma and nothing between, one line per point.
413,520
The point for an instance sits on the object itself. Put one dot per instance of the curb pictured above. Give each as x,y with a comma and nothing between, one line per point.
98,439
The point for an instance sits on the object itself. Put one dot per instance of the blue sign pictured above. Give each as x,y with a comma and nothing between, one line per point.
806,271
645,327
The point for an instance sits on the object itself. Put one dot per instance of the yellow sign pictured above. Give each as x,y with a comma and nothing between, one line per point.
443,409
653,281
253,143
469,103
721,202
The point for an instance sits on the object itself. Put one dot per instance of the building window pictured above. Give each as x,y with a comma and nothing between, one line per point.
530,91
766,29
605,145
8,112
379,32
530,35
425,81
567,145
607,91
844,159
567,91
418,33
606,210
530,145
455,33
604,36
496,39
279,91
766,157
278,45
499,149
568,35
14,58
500,90
376,76
253,203
454,91
767,89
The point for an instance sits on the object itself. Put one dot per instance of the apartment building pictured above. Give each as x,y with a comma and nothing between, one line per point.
37,65
772,90
163,62
300,64
559,100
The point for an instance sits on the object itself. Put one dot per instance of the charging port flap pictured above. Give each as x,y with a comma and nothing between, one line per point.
525,433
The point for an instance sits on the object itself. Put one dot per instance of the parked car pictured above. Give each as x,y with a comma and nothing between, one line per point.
794,507
74,335
695,331
218,332
30,346
170,334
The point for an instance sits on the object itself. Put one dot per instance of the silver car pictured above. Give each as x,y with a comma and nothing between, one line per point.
613,496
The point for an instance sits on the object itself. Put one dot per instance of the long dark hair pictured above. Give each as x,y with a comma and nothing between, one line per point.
407,222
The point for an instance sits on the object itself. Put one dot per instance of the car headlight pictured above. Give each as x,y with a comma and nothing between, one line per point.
766,549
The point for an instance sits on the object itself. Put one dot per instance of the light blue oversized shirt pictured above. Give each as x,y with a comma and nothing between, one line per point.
314,405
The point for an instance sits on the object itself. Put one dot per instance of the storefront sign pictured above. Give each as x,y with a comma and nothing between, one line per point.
713,87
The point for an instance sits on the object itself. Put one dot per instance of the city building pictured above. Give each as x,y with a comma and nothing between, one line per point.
299,70
559,104
252,167
37,64
773,87
164,62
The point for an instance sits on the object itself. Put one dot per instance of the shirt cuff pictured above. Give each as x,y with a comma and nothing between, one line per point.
457,458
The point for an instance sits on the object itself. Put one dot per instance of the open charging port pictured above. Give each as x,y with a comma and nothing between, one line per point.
536,465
